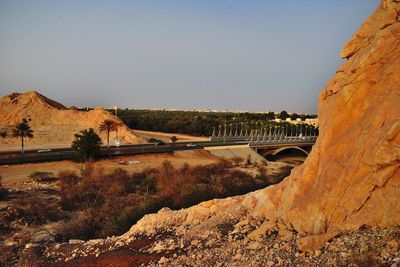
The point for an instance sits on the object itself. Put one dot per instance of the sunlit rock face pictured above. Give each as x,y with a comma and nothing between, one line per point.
52,122
352,176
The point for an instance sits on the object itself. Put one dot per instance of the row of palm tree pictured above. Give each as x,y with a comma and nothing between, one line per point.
23,130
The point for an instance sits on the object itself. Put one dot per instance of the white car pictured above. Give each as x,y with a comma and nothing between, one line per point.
44,150
191,145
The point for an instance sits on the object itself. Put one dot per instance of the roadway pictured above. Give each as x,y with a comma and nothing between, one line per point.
57,154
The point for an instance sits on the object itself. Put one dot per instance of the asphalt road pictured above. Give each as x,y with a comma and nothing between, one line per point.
56,154
33,156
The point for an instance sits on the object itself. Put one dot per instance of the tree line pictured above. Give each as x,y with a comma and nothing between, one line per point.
195,122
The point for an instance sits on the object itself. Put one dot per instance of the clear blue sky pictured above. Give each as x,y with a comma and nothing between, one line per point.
227,54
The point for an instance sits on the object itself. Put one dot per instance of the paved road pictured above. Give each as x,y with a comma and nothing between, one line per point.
33,156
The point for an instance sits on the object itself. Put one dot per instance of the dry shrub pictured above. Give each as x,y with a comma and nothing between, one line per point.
187,186
33,209
113,209
3,191
92,188
83,225
9,255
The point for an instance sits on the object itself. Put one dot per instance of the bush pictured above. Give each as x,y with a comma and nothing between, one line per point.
33,209
3,191
130,215
86,145
82,226
110,208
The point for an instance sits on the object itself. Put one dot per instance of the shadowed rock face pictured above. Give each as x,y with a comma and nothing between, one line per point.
352,176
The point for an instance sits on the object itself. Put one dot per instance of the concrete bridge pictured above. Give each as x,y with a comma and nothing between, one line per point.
271,142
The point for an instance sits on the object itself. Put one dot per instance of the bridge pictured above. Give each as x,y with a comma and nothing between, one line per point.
269,142
272,140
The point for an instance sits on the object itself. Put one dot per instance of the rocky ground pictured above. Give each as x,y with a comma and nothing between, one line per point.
227,244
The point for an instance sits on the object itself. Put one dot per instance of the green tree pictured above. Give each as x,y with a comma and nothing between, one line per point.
108,126
86,145
283,115
173,139
22,130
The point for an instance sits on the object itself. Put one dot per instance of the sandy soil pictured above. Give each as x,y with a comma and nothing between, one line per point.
16,173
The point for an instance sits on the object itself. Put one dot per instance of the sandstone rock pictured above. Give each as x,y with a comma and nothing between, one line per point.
254,245
75,241
313,242
10,242
352,177
42,236
285,234
270,263
265,227
194,243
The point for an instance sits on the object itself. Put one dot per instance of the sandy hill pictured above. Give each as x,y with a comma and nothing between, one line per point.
52,122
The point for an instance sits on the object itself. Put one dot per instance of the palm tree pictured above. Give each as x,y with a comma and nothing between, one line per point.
173,139
22,130
108,126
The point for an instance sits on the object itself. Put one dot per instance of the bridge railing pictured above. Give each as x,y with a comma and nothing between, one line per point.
269,135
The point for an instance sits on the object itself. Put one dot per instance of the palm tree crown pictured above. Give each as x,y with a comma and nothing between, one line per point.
22,130
108,126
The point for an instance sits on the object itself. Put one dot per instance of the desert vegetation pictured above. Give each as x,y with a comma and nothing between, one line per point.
92,203
109,203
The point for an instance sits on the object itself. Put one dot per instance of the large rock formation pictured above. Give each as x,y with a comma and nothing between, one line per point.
351,178
53,123
352,175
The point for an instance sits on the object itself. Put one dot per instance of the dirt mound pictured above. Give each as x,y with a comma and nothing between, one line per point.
52,122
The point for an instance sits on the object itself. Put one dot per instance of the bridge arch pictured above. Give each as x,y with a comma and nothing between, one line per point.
276,152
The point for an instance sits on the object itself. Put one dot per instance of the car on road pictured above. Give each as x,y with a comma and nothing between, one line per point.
191,145
44,150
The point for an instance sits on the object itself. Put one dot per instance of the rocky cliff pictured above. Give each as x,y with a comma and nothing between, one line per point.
52,122
351,178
